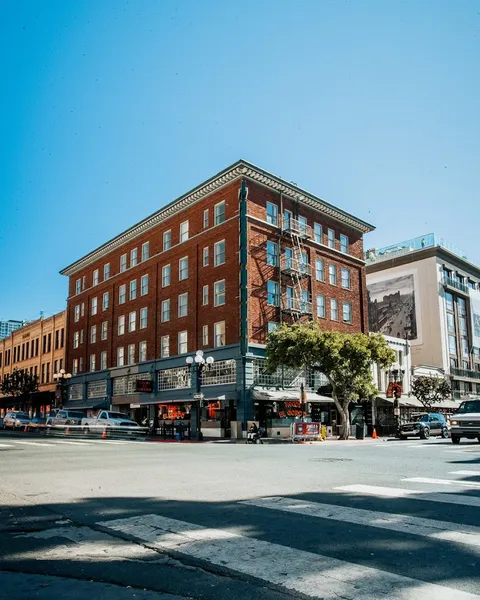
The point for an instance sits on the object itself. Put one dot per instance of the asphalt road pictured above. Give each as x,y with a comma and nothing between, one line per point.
353,520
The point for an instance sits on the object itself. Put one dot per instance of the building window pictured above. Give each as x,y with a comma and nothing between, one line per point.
272,254
133,290
92,362
205,218
165,346
183,268
205,335
183,305
144,285
95,277
103,361
302,225
219,213
219,253
449,301
333,309
120,357
78,286
77,313
123,263
142,351
273,298
331,238
145,251
318,233
344,243
345,278
82,309
143,317
272,214
105,300
122,294
183,231
94,306
104,330
332,274
205,295
219,333
134,257
75,366
132,321
221,372
320,306
81,336
182,342
319,270
131,354
93,334
165,310
271,326
219,292
166,271
106,272
452,345
167,240
121,324
287,220
76,342
347,312
205,257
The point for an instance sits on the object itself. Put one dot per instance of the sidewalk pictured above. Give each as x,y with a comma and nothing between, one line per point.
25,586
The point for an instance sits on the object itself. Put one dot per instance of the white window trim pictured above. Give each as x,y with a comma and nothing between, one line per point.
215,303
180,278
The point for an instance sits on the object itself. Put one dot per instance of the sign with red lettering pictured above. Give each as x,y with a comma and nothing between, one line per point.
144,385
307,429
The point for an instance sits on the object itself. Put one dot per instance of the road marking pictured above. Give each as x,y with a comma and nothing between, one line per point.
34,443
465,473
6,446
431,480
440,530
314,575
387,492
69,442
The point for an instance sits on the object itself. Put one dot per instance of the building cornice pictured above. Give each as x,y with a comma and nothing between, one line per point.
240,169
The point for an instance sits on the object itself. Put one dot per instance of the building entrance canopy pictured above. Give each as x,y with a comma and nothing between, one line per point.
281,395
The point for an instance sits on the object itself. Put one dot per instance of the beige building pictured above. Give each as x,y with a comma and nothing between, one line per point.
39,349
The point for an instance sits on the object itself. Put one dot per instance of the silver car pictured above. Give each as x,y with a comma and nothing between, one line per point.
16,420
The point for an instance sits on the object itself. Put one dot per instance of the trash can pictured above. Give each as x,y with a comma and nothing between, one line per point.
360,431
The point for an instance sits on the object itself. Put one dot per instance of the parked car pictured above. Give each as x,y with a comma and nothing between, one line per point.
37,424
424,425
466,421
15,420
114,421
66,417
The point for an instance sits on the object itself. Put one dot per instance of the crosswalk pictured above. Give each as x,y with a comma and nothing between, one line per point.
57,443
350,542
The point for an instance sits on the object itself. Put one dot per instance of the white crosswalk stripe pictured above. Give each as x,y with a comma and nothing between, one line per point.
25,443
6,446
432,480
54,443
314,575
476,473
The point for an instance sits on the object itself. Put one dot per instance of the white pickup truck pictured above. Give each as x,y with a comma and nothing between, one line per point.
466,421
111,422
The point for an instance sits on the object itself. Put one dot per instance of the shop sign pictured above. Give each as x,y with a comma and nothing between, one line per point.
304,430
144,385
394,390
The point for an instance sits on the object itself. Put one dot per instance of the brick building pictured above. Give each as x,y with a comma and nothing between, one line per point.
39,348
215,270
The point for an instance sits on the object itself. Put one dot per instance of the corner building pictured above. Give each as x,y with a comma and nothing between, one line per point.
215,270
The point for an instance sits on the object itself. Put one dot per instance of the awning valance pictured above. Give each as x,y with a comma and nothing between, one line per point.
413,402
286,395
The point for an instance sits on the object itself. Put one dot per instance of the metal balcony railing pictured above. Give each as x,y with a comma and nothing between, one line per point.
295,267
296,227
296,306
467,373
453,283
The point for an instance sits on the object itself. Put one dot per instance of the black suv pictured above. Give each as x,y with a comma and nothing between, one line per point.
423,426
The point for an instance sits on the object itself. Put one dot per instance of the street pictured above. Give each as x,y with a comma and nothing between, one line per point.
131,519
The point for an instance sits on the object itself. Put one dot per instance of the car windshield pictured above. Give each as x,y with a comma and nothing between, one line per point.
21,416
116,415
470,406
422,417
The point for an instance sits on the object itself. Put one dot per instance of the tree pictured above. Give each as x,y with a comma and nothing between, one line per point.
430,389
344,359
18,383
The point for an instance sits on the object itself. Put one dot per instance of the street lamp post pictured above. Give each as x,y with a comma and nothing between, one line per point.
61,379
396,372
200,363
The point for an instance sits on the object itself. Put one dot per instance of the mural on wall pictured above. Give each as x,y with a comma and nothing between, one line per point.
391,307
475,314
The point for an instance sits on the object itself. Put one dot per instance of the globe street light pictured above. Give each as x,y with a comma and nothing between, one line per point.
200,363
61,379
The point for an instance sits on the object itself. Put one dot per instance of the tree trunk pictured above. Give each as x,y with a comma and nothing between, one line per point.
343,413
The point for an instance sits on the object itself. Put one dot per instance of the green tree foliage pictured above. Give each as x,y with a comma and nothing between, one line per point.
430,389
344,359
18,383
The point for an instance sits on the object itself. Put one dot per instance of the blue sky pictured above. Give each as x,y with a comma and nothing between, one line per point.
111,109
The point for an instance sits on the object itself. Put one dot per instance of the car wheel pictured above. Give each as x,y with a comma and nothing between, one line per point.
445,433
425,433
455,439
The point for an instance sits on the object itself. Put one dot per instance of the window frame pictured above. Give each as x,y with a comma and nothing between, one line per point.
216,335
184,231
164,270
217,255
182,305
120,325
272,219
179,343
216,294
165,303
167,240
143,285
219,217
181,270
145,251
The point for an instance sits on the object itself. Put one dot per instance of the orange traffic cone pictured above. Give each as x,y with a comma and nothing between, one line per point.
104,434
374,434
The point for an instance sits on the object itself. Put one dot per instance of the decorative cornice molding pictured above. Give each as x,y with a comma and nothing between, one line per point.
222,179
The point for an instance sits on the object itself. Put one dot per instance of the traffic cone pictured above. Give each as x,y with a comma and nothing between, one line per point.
104,434
374,434
67,431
